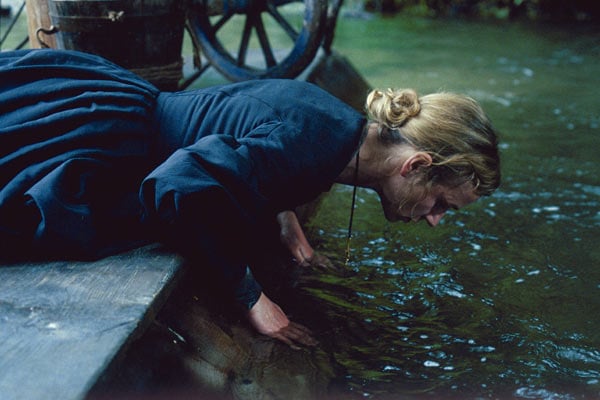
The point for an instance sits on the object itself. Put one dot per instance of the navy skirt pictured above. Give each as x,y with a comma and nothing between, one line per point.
76,138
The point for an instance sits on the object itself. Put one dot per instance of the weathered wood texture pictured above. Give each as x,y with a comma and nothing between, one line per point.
63,323
38,17
334,73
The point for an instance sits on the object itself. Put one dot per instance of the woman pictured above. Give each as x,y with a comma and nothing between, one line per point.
94,160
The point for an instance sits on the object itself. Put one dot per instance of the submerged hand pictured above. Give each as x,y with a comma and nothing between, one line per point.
268,318
292,236
320,261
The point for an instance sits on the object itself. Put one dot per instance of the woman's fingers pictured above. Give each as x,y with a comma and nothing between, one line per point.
320,261
296,333
268,318
300,257
302,334
281,337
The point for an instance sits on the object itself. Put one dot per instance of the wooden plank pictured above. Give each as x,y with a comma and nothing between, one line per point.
39,17
62,323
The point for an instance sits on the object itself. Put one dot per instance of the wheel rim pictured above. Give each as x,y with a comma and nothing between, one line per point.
277,40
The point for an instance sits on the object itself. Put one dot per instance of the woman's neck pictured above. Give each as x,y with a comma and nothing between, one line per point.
372,164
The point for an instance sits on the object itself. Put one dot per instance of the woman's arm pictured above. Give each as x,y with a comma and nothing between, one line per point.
293,238
202,202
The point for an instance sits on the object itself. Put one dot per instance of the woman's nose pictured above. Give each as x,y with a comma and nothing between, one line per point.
434,219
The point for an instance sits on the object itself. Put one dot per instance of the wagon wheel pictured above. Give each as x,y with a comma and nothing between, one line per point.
267,30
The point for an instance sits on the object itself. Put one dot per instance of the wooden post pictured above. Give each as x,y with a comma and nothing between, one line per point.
334,73
38,17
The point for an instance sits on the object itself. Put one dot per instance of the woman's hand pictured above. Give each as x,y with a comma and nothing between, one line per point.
268,318
292,236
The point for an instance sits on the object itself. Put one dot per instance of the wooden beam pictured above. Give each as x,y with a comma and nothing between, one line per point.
39,17
63,323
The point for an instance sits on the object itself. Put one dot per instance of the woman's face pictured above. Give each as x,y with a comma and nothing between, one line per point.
408,200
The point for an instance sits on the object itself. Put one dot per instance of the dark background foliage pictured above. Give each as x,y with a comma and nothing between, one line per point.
558,10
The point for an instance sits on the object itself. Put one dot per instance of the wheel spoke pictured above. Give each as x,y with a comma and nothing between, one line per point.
222,21
291,32
264,43
234,58
243,51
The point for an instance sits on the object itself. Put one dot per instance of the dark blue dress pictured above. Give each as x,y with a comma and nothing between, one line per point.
94,159
75,132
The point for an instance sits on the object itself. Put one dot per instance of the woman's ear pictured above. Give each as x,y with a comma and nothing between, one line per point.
414,162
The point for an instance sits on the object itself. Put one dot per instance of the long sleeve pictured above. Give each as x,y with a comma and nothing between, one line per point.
203,201
237,155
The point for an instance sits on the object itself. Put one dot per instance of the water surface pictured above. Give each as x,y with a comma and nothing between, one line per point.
501,299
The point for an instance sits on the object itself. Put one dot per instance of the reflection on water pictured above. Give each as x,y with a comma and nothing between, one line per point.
500,300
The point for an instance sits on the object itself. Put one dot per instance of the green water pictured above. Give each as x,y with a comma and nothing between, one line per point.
502,299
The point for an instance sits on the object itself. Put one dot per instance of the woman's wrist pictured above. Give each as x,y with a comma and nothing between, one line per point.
247,291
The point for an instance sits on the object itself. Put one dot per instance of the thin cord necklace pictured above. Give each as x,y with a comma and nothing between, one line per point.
352,211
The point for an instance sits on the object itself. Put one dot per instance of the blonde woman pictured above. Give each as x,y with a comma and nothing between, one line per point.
94,160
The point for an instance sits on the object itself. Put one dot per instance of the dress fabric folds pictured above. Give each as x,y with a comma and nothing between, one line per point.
94,160
235,156
74,135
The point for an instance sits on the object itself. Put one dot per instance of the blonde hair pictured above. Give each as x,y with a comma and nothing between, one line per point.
453,129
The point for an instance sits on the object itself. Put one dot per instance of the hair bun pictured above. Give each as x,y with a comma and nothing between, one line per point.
393,107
